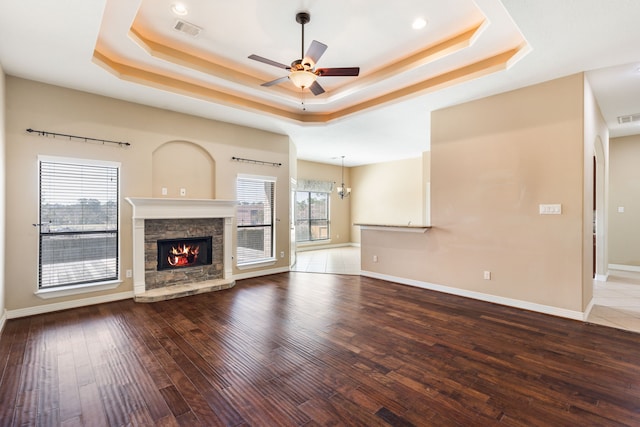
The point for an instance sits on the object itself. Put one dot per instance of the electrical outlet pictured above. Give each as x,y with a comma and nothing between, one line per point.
183,192
129,273
487,275
375,258
281,254
555,209
164,191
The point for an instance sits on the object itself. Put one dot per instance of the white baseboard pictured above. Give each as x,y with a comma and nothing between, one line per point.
540,308
57,306
602,277
258,273
623,267
3,320
304,248
588,310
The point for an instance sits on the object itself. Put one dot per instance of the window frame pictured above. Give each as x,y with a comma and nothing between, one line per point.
268,260
87,286
309,219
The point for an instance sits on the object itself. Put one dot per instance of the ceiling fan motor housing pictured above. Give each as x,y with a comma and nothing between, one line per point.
303,18
298,65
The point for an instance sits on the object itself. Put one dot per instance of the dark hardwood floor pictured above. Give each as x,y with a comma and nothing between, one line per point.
316,349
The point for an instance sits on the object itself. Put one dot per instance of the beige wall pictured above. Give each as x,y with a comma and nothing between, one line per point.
340,209
493,162
178,165
426,187
624,192
388,193
3,178
596,143
54,109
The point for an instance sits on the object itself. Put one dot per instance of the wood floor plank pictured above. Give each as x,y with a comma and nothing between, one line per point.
13,374
68,387
93,411
174,363
8,339
301,349
174,399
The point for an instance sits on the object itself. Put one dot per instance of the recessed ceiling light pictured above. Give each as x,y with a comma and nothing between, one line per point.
419,23
179,9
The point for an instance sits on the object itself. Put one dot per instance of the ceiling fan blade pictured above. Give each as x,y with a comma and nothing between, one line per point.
333,72
315,51
316,89
269,62
275,82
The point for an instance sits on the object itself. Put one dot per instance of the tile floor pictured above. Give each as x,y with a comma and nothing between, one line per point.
616,301
342,260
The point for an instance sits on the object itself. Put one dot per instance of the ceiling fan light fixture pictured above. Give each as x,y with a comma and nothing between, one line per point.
302,79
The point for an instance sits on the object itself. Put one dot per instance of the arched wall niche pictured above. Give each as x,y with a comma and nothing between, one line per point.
178,165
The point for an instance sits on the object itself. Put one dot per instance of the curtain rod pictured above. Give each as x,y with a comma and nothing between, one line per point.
82,138
257,162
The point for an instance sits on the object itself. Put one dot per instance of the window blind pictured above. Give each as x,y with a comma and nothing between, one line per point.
78,223
314,186
254,218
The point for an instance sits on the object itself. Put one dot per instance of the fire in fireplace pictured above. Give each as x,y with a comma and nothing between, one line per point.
184,252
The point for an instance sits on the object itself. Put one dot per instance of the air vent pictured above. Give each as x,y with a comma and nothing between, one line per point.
628,119
187,28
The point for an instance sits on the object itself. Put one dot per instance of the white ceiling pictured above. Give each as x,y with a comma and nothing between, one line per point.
54,42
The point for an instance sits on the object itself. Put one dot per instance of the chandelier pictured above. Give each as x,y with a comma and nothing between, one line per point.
342,190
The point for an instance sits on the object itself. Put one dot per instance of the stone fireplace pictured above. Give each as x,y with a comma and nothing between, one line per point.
180,247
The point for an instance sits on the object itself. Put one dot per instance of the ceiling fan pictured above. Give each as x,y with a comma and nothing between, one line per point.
302,72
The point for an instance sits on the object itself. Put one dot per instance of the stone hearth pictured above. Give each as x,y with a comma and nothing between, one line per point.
211,215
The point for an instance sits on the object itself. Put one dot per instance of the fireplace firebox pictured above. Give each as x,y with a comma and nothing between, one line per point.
184,252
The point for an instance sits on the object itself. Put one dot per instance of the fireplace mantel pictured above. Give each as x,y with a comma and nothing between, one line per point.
156,208
164,208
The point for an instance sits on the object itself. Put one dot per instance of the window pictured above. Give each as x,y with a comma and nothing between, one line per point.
255,216
79,222
312,216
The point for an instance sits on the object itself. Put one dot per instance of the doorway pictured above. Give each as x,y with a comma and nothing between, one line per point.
293,185
600,267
